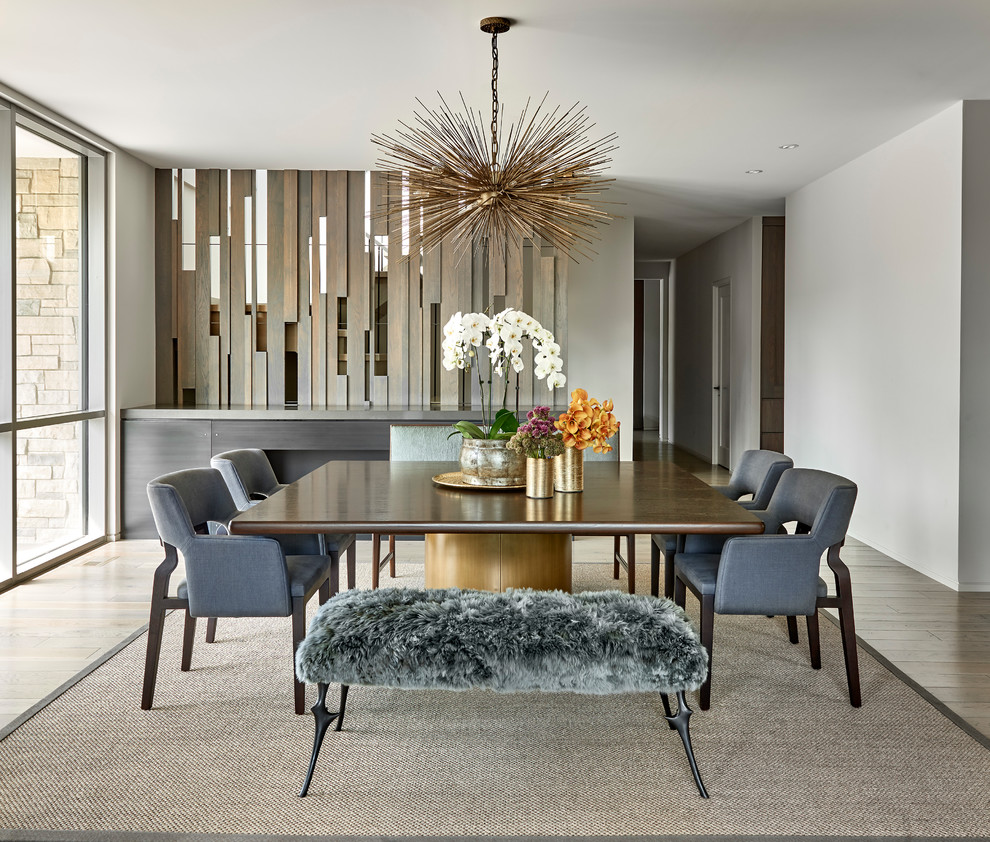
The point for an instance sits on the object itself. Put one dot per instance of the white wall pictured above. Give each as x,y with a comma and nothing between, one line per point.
133,256
737,255
599,326
872,327
974,463
132,301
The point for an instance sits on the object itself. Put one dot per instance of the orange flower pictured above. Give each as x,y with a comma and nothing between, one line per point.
587,423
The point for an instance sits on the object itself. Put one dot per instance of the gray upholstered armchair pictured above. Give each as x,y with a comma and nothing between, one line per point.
757,473
226,575
778,574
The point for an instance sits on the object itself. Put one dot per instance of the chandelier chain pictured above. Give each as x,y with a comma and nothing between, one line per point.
494,102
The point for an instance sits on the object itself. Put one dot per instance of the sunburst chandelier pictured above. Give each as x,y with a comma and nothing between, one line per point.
544,179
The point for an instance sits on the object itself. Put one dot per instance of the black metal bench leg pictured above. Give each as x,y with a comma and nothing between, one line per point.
680,724
324,719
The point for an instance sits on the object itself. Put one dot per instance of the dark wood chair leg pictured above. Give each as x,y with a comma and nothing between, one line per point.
298,633
814,641
332,583
848,628
707,638
669,566
680,594
792,632
188,638
847,624
668,574
655,568
352,565
155,627
616,547
391,552
211,629
156,622
376,551
631,561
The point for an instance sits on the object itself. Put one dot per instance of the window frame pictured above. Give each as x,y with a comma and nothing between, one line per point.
94,363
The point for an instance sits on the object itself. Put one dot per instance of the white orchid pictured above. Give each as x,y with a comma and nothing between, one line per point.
513,347
454,327
505,333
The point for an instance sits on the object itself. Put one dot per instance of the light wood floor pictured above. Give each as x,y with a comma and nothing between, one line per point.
55,625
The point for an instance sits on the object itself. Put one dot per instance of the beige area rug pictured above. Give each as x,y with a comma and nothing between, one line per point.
781,751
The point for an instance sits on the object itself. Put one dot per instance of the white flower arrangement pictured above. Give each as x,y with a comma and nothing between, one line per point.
505,333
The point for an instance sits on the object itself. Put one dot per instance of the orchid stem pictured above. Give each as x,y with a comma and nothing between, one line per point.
481,386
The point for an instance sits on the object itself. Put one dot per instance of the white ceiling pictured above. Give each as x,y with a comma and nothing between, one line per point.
698,91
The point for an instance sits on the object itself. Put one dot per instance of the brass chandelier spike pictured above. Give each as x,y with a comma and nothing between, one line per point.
540,176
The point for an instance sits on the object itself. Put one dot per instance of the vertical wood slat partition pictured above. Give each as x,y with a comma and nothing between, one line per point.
313,338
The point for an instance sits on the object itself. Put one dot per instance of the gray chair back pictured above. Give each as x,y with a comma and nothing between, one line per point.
757,473
423,443
820,501
248,474
185,503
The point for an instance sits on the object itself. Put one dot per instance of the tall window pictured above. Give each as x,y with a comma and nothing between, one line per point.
52,375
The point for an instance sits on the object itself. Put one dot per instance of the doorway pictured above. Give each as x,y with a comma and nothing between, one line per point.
721,350
649,350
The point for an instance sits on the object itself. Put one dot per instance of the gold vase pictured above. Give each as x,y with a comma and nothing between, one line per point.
568,470
539,477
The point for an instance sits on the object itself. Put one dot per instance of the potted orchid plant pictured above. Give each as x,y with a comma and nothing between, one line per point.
502,336
485,459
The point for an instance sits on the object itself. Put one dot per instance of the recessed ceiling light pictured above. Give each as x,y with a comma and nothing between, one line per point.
788,146
753,172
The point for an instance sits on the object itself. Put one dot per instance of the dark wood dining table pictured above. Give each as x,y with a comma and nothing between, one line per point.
379,497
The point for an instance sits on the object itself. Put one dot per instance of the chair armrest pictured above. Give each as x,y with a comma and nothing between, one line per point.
768,574
236,576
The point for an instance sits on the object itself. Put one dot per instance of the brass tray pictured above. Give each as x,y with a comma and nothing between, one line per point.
455,479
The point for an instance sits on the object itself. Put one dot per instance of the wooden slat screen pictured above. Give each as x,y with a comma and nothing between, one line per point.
331,304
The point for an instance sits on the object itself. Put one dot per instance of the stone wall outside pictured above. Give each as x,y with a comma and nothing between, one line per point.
49,499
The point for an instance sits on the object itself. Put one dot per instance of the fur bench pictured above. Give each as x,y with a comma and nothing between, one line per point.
519,641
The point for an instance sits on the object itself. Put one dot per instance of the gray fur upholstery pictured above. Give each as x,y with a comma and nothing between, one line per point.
521,640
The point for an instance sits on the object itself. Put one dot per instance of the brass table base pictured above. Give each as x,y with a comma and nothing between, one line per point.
496,561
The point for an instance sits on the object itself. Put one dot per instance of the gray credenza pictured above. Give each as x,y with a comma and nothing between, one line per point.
157,440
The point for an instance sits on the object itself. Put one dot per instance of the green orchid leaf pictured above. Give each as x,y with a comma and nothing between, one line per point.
468,430
505,422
